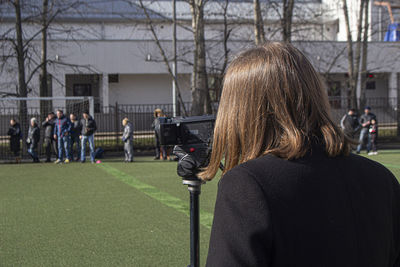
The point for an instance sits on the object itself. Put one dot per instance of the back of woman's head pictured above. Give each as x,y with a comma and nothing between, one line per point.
158,113
273,101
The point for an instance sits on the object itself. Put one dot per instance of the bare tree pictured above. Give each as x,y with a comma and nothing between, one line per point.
165,59
20,51
43,83
259,33
354,57
217,62
286,21
201,103
364,56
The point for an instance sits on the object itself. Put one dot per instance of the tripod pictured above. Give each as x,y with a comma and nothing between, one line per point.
194,187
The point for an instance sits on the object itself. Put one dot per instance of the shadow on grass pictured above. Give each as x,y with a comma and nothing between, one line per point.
139,160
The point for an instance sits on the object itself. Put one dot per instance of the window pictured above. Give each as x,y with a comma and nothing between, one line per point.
113,78
82,89
370,85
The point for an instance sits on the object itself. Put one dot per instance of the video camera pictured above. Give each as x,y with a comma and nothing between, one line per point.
191,136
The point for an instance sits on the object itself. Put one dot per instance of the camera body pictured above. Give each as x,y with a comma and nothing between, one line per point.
190,135
186,130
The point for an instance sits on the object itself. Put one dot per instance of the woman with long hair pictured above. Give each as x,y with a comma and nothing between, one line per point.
292,194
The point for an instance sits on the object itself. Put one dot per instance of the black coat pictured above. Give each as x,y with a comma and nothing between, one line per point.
15,136
350,124
367,118
76,128
49,128
88,126
313,212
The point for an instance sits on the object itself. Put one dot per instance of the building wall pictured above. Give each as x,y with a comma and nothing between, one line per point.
147,89
381,88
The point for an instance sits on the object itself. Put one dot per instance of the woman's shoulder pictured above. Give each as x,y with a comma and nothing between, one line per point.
272,171
255,171
267,165
370,167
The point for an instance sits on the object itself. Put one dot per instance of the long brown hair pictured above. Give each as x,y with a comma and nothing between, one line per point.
273,102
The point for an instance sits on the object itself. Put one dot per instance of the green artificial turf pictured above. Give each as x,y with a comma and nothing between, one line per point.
108,214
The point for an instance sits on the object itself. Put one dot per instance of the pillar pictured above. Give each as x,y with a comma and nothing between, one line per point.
105,90
392,90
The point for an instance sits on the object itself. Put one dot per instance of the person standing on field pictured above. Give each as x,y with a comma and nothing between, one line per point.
62,135
87,135
127,138
373,137
33,140
76,129
161,151
349,123
49,142
365,121
15,139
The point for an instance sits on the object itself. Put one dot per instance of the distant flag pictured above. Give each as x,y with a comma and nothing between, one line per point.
393,33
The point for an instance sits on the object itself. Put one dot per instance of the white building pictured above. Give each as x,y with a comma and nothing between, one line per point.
105,49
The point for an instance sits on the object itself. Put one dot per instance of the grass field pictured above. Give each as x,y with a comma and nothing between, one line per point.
109,214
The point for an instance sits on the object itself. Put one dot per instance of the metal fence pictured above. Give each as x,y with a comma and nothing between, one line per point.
109,122
386,110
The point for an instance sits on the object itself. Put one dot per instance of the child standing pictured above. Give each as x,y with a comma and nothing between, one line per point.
372,137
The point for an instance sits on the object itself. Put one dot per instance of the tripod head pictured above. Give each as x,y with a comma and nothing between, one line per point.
191,159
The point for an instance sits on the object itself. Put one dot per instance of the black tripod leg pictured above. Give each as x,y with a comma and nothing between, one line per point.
194,229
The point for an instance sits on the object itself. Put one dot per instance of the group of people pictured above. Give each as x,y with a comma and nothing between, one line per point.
367,125
61,135
67,137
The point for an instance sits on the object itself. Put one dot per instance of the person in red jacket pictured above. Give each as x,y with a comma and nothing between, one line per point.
373,137
62,130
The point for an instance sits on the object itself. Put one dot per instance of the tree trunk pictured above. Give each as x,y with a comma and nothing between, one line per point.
22,88
364,58
357,58
398,104
352,103
259,34
227,33
45,106
286,21
201,103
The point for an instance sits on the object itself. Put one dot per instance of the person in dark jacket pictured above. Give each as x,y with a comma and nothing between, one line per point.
89,127
161,151
291,193
350,124
50,143
62,135
15,134
127,138
32,141
365,121
76,129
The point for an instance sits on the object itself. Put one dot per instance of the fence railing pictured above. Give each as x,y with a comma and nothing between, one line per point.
385,109
109,122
